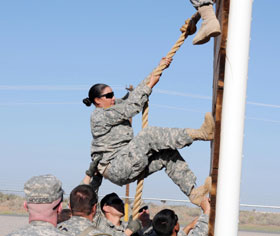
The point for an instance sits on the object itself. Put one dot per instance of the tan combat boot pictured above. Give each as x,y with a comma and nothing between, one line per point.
206,131
198,194
210,26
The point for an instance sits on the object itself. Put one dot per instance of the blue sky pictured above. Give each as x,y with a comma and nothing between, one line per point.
52,52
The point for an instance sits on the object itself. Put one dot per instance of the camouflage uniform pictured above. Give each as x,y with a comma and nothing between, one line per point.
77,224
38,228
201,227
125,158
199,3
43,189
108,227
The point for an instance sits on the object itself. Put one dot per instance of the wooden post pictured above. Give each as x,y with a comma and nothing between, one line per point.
222,11
126,203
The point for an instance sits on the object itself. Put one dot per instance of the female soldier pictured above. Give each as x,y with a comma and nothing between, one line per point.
122,158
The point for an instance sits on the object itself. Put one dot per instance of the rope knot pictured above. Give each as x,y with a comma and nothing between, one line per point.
184,28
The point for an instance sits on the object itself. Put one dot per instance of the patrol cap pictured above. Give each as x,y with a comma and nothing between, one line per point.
43,189
143,206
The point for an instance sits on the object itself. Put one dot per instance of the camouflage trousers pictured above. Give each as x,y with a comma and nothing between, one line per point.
199,3
153,149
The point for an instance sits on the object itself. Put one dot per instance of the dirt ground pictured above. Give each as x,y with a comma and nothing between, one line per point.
9,224
244,233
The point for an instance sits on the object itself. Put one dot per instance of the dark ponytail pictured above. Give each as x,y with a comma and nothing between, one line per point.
94,92
87,102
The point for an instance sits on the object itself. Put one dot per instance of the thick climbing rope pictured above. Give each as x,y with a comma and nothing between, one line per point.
188,28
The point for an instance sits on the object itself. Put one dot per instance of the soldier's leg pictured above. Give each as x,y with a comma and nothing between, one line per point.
175,167
126,165
152,139
123,169
198,3
210,26
134,157
158,138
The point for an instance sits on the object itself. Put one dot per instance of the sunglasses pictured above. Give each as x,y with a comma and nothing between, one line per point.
108,95
142,209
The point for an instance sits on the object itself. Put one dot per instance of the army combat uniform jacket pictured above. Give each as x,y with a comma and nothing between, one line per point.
38,228
108,227
76,225
200,229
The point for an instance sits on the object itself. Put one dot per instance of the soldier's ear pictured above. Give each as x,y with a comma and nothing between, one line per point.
176,228
106,208
94,209
59,209
97,101
25,205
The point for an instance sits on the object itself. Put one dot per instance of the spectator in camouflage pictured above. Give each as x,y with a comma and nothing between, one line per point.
44,196
83,202
165,223
109,218
144,217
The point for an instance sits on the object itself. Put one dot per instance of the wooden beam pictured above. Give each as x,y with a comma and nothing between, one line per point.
222,11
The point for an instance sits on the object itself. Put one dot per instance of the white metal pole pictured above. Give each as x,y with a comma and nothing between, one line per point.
233,114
